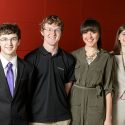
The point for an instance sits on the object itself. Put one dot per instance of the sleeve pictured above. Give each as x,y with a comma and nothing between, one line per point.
109,77
115,84
70,75
30,84
29,59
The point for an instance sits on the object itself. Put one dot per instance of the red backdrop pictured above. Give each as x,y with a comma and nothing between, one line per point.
29,13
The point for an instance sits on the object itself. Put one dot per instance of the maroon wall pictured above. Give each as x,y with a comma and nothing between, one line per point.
29,13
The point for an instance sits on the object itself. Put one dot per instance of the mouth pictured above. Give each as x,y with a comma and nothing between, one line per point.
90,40
9,48
52,38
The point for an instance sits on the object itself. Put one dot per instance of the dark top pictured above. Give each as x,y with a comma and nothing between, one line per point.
49,103
13,110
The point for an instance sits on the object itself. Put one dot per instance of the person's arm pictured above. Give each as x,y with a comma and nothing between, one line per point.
68,87
109,88
108,119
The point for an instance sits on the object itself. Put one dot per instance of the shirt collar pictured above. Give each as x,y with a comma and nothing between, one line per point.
4,61
45,52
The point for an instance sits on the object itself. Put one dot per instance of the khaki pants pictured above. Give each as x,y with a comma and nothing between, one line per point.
66,122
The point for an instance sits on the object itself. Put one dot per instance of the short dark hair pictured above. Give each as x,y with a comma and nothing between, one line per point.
91,25
52,19
9,28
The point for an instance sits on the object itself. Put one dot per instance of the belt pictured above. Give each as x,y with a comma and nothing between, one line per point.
98,88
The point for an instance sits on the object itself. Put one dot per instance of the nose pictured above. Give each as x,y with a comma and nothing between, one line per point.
89,34
53,32
9,41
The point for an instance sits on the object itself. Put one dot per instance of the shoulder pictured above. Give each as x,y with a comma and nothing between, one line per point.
33,53
106,53
67,55
77,51
26,64
33,56
107,56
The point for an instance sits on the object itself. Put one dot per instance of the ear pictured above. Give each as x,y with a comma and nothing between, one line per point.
18,42
42,32
119,37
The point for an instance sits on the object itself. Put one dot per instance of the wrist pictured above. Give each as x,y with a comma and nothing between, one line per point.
108,118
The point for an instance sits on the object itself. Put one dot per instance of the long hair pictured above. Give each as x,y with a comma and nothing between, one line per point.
117,45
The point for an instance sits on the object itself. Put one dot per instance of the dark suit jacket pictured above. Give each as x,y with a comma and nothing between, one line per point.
13,110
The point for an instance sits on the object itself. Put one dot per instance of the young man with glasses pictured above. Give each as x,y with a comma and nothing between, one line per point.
54,77
16,76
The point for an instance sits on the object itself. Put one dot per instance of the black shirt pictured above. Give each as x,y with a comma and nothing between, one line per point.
49,103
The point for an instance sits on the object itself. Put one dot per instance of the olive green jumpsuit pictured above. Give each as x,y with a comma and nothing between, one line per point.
92,84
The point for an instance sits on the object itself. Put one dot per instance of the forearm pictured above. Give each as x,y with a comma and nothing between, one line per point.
68,87
109,106
108,118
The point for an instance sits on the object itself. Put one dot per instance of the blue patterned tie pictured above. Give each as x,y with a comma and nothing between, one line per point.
10,77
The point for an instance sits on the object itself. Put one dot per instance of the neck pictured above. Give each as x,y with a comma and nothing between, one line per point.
51,49
91,52
8,57
87,48
123,50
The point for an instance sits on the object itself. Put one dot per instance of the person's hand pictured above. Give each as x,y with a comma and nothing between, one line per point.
108,122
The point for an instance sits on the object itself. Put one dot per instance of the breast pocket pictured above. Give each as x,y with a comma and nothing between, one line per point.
94,76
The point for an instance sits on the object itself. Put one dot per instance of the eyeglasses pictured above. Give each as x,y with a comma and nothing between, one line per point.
53,30
13,39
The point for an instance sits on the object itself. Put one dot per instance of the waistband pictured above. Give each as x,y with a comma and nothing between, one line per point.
98,88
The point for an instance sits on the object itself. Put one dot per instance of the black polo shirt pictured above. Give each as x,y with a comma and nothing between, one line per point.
50,101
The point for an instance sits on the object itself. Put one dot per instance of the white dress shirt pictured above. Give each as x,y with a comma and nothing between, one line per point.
4,62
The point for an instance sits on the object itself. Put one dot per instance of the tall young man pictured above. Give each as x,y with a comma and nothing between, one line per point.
54,77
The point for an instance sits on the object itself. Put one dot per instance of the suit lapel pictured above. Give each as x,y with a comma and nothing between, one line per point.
3,82
20,69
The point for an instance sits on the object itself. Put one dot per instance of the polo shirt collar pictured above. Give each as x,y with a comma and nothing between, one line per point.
45,52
